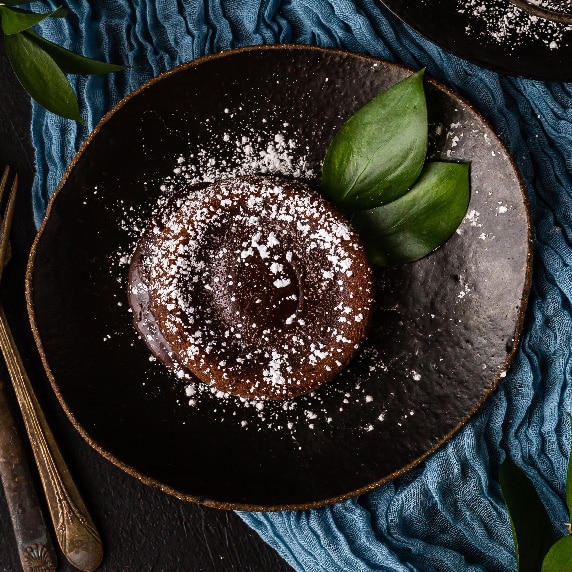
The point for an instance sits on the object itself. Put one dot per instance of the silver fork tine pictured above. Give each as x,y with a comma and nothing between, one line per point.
6,223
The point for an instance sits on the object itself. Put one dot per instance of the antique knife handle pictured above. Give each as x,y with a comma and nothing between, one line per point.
33,540
74,528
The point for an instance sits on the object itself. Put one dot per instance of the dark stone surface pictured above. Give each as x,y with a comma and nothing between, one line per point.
142,528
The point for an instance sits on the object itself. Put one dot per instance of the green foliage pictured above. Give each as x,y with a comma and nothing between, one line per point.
41,65
535,541
559,557
379,152
15,20
375,169
532,531
41,77
418,222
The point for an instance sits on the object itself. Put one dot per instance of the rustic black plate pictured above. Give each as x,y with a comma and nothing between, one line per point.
443,330
516,37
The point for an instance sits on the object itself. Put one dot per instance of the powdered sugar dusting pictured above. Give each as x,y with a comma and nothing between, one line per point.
501,22
276,154
238,289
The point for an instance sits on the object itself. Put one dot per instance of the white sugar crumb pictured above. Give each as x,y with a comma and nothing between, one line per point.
472,218
464,292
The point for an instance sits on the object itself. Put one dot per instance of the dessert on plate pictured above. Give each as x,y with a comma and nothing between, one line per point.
256,285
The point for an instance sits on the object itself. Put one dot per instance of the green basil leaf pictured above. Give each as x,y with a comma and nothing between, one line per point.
532,530
41,77
421,220
559,557
70,62
15,20
379,152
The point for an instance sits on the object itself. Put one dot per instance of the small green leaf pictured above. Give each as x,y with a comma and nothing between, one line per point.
70,62
532,530
15,20
559,557
379,152
569,479
421,220
41,77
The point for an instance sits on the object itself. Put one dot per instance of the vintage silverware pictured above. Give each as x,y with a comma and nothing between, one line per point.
74,528
33,539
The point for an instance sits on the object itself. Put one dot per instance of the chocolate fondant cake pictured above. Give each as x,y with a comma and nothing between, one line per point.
256,285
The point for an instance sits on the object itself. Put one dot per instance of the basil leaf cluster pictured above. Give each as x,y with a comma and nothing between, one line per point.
375,168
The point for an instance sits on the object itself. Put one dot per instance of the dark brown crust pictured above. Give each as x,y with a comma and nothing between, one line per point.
263,355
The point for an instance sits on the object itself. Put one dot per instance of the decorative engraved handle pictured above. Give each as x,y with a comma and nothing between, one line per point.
30,529
75,531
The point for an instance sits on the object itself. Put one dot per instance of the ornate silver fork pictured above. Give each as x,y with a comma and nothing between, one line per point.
74,528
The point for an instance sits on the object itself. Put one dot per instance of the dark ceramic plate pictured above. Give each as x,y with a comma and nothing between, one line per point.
443,331
527,38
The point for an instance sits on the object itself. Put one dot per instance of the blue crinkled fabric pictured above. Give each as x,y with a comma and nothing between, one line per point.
447,514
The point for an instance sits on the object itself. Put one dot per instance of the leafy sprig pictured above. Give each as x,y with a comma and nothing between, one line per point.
536,545
375,168
41,65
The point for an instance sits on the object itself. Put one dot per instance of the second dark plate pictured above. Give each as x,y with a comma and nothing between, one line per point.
515,37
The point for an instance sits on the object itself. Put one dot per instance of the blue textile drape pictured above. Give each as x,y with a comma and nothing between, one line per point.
446,514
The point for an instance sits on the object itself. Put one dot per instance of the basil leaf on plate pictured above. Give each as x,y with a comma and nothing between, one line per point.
421,220
531,527
41,77
379,152
70,62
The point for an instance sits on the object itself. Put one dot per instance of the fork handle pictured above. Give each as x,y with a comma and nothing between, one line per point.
74,528
33,540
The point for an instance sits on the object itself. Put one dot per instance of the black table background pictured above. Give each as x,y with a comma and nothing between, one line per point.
142,529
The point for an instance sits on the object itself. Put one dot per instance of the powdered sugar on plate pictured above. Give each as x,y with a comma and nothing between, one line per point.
503,23
272,152
350,399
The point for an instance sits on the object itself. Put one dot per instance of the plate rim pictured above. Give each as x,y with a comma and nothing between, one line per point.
145,479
